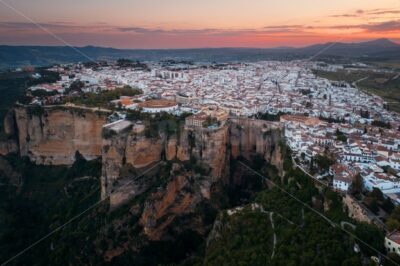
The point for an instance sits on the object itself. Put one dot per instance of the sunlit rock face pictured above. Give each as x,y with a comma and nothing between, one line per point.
52,135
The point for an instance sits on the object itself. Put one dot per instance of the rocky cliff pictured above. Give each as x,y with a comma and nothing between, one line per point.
172,182
249,137
52,135
181,196
131,148
8,142
208,150
184,192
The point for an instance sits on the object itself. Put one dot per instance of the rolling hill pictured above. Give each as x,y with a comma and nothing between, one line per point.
16,56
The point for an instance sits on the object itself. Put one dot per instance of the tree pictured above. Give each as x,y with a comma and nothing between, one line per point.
77,85
372,204
43,93
357,185
392,224
324,162
393,221
382,124
340,136
371,235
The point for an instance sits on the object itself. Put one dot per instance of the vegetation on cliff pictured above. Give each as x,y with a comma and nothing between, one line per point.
160,123
103,99
303,237
46,197
168,223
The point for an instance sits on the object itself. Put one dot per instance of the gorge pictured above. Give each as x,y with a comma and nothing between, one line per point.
166,188
188,168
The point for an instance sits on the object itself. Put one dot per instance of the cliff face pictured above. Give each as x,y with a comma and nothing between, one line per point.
210,148
133,149
180,198
249,137
52,135
126,150
188,170
9,142
185,195
8,146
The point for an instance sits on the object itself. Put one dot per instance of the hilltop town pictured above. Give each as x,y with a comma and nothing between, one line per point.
341,137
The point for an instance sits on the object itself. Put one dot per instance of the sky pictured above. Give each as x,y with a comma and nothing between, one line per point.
149,24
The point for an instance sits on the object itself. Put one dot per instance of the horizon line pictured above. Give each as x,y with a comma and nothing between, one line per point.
206,47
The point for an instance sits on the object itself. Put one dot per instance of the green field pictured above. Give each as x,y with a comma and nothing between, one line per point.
385,85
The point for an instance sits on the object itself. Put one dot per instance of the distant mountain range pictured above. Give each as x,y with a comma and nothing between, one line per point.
16,56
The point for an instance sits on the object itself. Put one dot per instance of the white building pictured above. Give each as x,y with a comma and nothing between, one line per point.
387,184
342,176
392,242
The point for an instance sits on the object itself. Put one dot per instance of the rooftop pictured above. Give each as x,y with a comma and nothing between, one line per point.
394,236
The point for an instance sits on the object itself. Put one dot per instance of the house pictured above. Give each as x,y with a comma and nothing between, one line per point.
386,183
342,176
395,161
392,242
198,120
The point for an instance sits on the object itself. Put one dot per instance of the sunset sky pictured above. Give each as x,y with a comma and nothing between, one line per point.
196,23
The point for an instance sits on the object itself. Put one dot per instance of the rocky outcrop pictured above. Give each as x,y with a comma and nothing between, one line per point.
9,124
171,149
52,135
176,181
8,142
141,152
210,148
248,137
182,195
8,146
356,210
124,146
207,148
